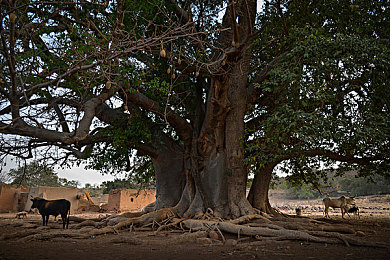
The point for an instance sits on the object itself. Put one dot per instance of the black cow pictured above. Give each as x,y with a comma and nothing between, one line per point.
53,207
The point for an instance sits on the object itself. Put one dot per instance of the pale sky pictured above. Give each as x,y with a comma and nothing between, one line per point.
75,173
84,176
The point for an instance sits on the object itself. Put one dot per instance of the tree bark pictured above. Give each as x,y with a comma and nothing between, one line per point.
258,193
170,176
217,175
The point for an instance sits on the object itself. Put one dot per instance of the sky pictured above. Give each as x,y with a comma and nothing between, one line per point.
75,173
83,176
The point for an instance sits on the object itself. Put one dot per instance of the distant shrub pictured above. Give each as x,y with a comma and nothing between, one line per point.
364,186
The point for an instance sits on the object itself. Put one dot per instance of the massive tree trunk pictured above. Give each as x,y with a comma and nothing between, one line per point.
214,162
214,158
258,194
170,176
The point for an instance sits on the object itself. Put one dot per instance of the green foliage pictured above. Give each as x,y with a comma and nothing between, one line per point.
328,91
139,169
34,175
303,192
249,182
348,183
365,186
117,184
94,190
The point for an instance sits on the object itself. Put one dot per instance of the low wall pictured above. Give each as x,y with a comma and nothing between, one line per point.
11,197
130,199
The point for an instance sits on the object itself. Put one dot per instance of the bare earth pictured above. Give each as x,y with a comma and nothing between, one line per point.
374,226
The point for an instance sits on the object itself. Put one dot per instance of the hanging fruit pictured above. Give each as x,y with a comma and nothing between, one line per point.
108,84
12,17
163,53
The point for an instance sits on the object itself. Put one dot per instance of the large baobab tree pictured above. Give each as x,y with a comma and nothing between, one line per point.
209,92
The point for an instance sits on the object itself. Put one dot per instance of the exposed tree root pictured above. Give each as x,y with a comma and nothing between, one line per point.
40,234
97,232
114,221
117,223
338,229
187,237
254,225
152,217
50,235
247,218
278,234
17,234
174,223
85,224
79,220
131,214
265,225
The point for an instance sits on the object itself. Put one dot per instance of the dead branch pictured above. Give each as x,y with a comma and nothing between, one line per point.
174,223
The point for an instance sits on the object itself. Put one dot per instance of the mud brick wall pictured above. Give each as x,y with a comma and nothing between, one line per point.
130,199
9,197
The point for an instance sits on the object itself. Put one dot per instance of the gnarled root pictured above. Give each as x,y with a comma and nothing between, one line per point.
279,233
149,218
248,218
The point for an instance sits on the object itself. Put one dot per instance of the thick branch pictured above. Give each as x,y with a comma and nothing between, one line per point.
183,128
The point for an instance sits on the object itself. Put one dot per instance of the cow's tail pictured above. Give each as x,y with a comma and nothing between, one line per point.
67,219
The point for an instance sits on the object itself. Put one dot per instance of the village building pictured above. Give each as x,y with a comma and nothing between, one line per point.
129,199
12,197
16,199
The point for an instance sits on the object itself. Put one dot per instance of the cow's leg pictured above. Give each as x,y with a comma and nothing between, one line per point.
47,219
326,212
43,219
67,218
63,217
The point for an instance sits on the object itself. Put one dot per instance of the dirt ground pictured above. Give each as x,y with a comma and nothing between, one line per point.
373,226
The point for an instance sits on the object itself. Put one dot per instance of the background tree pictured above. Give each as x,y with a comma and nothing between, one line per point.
325,101
34,174
117,184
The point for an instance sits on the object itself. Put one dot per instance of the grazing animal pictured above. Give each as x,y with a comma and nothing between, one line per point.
22,214
353,210
54,208
341,203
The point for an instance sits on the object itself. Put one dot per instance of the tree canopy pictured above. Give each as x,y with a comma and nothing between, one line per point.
199,93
